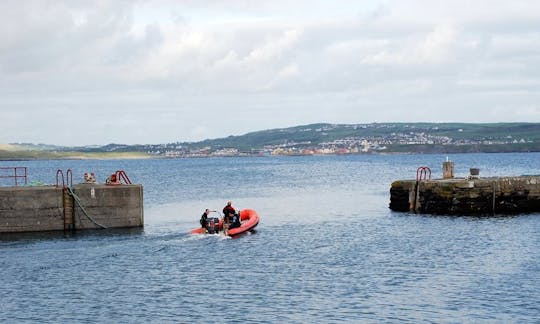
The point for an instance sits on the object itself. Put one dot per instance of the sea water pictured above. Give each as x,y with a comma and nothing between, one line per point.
327,248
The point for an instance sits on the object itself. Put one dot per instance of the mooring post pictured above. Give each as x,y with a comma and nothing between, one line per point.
448,169
475,173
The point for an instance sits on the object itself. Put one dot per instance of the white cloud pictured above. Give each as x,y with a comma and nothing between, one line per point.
178,69
274,47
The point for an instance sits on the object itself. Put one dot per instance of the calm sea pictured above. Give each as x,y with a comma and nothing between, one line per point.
327,248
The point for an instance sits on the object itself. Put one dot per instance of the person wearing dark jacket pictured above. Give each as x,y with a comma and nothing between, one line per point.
235,221
229,209
204,218
228,212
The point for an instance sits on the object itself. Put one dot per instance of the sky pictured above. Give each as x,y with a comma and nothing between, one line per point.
148,72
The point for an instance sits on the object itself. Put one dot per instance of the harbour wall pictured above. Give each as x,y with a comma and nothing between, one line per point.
87,206
467,196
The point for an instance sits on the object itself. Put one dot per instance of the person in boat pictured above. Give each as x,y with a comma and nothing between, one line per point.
204,218
228,213
235,221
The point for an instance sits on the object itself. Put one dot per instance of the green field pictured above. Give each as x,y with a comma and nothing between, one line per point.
52,155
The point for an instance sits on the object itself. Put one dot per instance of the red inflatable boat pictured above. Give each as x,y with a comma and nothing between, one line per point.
248,220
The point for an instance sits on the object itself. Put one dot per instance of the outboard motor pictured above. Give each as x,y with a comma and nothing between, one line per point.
212,225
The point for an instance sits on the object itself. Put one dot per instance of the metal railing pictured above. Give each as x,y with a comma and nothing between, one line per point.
122,175
60,175
423,173
15,174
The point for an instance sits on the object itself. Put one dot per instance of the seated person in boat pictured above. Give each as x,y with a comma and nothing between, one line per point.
235,221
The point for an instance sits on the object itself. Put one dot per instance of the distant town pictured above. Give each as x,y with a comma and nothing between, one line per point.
344,145
315,139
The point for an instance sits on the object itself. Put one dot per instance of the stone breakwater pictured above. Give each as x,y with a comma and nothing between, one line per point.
468,196
50,208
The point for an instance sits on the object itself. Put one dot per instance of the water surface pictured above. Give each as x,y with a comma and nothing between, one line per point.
327,249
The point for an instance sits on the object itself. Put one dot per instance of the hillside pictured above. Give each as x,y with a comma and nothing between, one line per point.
318,139
383,137
320,133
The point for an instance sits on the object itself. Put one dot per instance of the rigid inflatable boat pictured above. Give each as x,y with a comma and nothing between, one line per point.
248,220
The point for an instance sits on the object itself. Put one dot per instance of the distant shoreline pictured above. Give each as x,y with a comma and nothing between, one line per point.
314,139
138,156
40,155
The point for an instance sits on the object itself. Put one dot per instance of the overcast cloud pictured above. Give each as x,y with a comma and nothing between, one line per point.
99,72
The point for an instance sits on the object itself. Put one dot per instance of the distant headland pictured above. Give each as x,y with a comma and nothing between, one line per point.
313,139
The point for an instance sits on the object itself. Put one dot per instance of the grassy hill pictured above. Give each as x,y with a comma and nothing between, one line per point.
384,137
320,133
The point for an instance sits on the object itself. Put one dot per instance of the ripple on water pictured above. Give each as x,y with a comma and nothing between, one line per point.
327,250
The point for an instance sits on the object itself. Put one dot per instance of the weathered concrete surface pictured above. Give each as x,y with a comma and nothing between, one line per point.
111,206
41,208
484,196
24,209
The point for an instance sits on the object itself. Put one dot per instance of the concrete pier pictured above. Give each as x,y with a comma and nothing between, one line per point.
467,196
50,208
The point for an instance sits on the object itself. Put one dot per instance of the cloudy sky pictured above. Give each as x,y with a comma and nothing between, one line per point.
98,72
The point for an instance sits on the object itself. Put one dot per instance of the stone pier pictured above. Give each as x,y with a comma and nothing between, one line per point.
50,208
467,196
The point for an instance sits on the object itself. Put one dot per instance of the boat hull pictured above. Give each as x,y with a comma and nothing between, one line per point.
248,218
202,230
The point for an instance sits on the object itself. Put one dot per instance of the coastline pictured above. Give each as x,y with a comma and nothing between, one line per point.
34,155
43,156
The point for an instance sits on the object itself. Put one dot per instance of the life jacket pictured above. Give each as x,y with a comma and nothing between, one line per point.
228,210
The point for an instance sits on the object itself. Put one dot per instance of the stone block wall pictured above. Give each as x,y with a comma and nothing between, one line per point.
485,196
29,209
41,208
